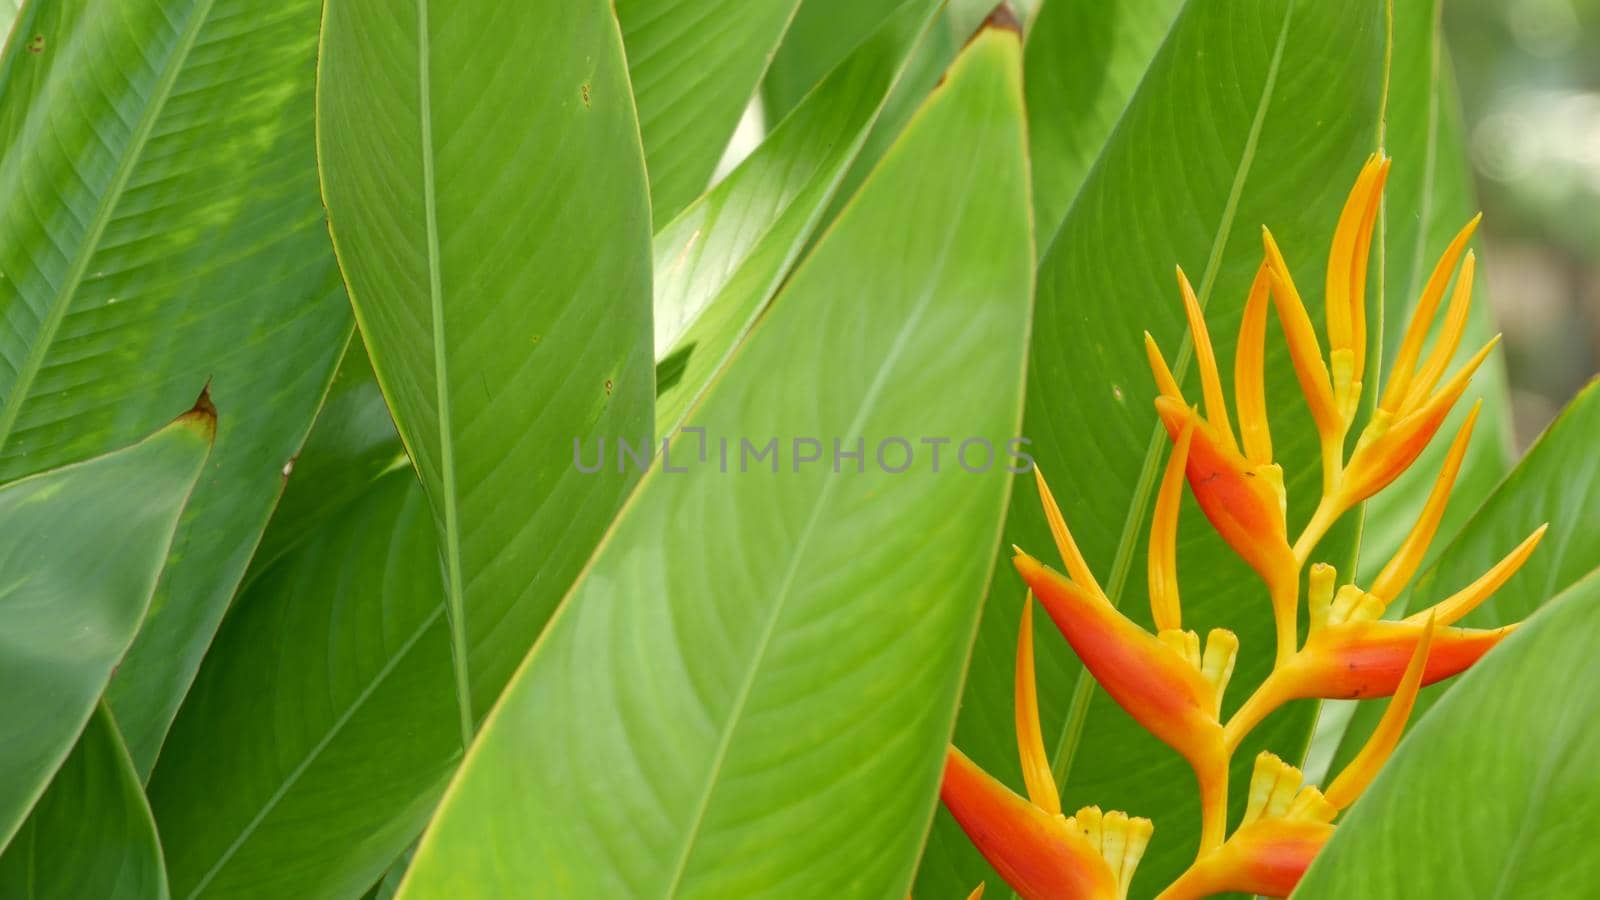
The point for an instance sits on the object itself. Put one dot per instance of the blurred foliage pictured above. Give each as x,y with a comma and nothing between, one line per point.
1529,73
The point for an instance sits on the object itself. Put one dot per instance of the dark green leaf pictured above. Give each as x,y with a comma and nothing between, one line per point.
161,228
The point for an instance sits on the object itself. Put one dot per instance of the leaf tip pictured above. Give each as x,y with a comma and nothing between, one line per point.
202,416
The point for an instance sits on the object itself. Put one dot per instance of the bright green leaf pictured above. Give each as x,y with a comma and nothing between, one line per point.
91,834
750,690
1492,794
161,228
84,546
718,264
1242,120
694,65
501,280
822,34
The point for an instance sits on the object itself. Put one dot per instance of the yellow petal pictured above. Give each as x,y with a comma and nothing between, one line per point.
1249,366
1165,383
1341,279
1077,566
1304,350
1206,357
1405,360
977,892
1356,776
1358,287
1036,772
1162,559
1404,564
1444,347
1464,601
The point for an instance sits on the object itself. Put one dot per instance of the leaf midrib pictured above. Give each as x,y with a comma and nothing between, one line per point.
62,301
1122,562
857,425
454,596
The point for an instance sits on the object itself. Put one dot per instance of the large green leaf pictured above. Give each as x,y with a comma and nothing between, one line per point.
159,226
694,65
322,727
749,691
91,834
1084,61
1242,120
1492,795
84,546
719,263
501,280
348,522
1557,482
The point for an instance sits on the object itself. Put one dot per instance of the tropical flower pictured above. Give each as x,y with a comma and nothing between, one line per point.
1169,682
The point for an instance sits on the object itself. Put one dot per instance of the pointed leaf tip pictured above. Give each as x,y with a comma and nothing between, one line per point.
1002,18
202,416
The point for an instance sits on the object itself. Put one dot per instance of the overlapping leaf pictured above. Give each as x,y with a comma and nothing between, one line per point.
501,280
1236,124
161,227
91,834
749,690
84,546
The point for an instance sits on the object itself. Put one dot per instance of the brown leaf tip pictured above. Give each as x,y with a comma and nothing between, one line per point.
203,415
1003,17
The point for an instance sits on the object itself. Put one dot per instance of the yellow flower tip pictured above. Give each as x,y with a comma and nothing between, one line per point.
1273,786
1403,565
1364,768
1077,566
1249,370
1452,609
1400,378
1162,558
977,892
1120,838
1319,593
1166,385
1205,356
1036,770
1352,604
1304,350
1216,666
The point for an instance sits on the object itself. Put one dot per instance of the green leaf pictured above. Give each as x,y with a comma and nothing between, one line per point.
718,263
91,834
321,728
750,690
502,332
162,228
1492,793
694,65
822,34
1430,198
1557,482
1084,61
1243,119
351,446
84,546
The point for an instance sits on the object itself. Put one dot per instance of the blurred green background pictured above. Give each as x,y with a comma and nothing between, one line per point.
1529,74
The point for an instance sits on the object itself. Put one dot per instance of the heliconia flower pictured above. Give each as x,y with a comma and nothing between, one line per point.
1164,681
1352,652
1410,409
1235,481
1037,850
1286,824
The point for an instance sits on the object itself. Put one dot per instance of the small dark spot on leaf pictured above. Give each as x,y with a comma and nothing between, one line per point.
583,91
608,387
36,46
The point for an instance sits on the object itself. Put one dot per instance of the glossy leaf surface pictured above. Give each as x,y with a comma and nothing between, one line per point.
161,228
750,689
